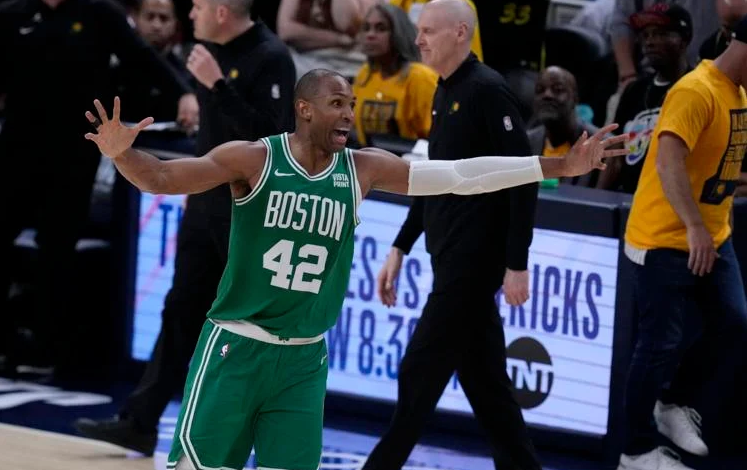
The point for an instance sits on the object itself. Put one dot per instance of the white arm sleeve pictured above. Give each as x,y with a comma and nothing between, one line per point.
472,175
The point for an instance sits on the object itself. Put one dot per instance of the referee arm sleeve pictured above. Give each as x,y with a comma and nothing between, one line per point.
472,175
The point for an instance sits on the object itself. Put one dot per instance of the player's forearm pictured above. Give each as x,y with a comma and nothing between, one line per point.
142,169
677,189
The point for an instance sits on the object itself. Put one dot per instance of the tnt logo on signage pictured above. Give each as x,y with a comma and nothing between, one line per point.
530,368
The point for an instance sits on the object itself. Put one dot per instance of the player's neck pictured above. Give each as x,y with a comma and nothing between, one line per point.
313,158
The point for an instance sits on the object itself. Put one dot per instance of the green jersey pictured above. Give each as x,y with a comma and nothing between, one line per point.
291,246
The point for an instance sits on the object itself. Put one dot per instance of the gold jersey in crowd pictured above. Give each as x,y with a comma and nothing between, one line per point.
709,113
397,105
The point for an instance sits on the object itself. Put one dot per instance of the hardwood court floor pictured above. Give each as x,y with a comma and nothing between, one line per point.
31,449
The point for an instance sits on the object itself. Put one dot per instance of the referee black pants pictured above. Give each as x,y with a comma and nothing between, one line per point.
459,330
201,255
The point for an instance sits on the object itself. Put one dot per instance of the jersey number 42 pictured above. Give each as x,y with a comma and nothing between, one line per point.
278,259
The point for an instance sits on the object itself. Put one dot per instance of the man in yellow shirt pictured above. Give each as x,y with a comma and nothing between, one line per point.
685,270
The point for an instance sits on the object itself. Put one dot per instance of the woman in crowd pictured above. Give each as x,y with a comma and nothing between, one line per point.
394,91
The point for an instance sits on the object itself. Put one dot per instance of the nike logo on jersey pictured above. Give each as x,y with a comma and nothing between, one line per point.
322,361
277,173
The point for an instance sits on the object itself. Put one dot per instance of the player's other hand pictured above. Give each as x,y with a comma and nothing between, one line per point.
113,137
385,282
588,153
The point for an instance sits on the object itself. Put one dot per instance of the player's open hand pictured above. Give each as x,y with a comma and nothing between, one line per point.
113,137
588,153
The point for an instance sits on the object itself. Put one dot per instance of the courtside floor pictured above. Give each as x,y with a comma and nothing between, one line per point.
36,434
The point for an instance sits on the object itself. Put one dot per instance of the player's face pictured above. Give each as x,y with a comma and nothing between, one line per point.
204,16
156,22
437,37
661,47
554,97
332,114
377,32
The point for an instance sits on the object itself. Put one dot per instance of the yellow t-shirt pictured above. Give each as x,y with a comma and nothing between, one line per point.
709,113
395,105
414,7
549,151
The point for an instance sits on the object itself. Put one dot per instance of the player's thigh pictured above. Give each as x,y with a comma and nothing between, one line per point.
219,409
288,435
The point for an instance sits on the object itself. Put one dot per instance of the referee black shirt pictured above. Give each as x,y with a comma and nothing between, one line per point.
473,238
256,100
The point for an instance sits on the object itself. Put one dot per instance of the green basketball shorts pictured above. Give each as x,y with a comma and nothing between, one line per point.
243,393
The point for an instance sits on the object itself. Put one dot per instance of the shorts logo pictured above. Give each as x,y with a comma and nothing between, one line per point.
224,350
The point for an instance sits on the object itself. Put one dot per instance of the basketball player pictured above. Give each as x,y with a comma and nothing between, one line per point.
259,371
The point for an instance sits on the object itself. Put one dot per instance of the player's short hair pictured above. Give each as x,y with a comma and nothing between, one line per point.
309,84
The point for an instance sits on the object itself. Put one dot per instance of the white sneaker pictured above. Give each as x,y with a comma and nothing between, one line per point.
682,426
661,458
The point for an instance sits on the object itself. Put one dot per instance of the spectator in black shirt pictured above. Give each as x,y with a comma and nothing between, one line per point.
246,78
156,22
665,32
555,101
476,244
55,56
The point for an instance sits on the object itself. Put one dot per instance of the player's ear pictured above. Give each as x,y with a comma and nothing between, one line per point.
303,109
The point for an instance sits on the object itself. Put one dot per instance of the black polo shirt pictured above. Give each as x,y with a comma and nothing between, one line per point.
257,100
474,237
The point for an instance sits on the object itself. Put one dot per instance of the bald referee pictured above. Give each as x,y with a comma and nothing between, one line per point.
477,243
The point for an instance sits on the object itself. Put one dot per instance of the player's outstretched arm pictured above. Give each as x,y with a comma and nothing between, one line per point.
224,164
378,169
